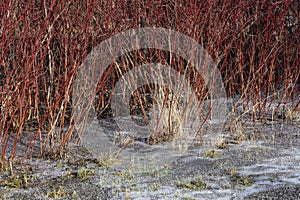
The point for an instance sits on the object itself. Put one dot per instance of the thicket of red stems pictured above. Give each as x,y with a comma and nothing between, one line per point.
255,45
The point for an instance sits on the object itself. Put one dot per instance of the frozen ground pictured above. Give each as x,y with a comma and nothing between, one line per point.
264,164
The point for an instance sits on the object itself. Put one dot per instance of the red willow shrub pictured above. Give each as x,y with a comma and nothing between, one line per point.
255,45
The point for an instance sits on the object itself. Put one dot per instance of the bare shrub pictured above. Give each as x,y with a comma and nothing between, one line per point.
43,43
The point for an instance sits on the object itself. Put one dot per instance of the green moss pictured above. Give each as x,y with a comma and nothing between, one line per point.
84,173
16,181
196,184
212,154
59,193
106,161
124,174
242,180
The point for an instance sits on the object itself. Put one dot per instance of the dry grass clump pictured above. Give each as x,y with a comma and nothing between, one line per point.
167,118
288,114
